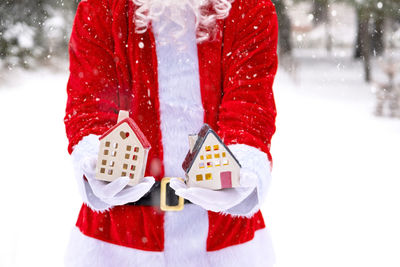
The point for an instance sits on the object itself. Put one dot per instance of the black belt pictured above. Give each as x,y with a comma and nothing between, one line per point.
153,197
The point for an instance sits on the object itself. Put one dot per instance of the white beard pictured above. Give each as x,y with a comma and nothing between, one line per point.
206,12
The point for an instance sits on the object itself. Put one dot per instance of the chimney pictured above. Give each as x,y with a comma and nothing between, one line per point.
123,114
192,141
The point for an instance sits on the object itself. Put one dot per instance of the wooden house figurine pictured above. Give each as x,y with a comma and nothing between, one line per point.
209,162
123,151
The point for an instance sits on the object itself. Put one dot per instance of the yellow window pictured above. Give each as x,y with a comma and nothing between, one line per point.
202,157
208,148
209,156
217,163
216,156
225,162
223,154
199,177
208,176
209,164
216,147
201,165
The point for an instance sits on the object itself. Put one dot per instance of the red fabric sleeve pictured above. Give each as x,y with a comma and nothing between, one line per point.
92,88
247,112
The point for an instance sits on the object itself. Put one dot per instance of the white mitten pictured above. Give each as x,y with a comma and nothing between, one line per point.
255,176
101,195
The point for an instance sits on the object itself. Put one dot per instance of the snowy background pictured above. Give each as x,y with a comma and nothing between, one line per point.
334,200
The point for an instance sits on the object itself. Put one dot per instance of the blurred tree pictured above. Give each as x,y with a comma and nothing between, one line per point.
74,4
363,40
33,30
373,27
371,17
285,30
320,11
378,30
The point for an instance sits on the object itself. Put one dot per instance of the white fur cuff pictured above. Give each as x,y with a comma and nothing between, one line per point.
86,148
253,161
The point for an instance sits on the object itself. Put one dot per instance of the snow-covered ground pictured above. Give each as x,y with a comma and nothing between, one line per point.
335,196
37,192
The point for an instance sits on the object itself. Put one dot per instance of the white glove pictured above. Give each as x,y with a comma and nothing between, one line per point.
101,195
241,201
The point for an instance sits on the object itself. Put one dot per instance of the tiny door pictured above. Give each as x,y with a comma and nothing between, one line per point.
226,179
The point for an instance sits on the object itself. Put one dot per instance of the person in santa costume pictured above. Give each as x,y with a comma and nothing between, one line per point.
174,65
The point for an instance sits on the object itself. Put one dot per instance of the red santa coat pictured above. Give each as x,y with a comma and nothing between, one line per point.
114,68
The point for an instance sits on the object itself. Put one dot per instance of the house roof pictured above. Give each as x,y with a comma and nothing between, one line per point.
202,136
135,128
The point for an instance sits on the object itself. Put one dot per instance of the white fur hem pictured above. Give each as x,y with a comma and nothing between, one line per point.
84,251
256,253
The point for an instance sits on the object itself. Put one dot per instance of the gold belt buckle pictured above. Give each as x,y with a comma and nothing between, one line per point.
163,197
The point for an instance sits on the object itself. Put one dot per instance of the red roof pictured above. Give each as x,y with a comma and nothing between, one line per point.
140,135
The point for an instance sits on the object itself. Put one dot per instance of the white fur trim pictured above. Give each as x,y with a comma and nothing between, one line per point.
254,161
255,253
86,148
181,113
84,251
185,235
181,109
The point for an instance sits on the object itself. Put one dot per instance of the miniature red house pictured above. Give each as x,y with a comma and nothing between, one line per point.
209,162
123,151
